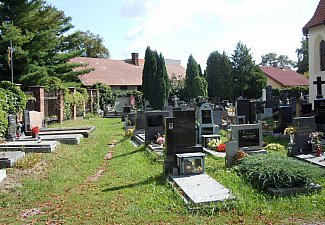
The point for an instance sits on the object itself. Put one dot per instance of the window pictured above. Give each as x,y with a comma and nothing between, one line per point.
322,55
123,87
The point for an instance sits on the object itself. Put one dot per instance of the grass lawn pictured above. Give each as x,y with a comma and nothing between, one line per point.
95,183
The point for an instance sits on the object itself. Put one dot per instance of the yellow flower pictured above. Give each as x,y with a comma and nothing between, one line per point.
289,130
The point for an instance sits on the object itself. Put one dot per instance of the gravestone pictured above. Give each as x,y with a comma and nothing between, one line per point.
269,98
285,117
231,152
305,109
293,104
248,136
154,124
246,107
180,138
140,120
12,128
319,105
206,125
304,127
217,116
33,119
125,112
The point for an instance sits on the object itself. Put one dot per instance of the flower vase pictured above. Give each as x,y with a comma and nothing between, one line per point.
318,150
35,135
292,136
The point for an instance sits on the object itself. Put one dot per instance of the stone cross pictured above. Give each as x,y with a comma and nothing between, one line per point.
175,99
319,83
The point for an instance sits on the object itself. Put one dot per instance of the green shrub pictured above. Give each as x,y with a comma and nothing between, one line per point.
275,147
265,170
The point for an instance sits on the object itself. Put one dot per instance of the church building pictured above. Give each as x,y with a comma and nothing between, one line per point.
315,31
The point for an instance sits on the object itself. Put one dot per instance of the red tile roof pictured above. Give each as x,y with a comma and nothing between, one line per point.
318,17
285,77
119,72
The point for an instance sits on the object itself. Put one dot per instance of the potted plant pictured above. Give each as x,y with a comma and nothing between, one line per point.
35,132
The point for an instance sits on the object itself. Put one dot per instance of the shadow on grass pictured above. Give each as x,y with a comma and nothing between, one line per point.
159,180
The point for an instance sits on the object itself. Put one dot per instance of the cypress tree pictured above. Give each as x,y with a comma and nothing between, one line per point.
192,71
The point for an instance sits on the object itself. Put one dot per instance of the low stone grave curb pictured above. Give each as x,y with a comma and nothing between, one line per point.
3,175
294,190
156,148
8,159
214,153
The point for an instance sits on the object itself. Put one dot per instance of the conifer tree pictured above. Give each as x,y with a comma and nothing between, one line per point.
249,80
40,47
192,71
219,74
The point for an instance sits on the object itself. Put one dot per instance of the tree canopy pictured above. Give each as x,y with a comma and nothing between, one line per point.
155,81
273,59
195,85
248,78
303,58
42,47
219,73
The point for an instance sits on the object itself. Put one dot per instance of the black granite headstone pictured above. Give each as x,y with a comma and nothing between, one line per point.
269,99
304,127
285,117
319,107
154,124
305,109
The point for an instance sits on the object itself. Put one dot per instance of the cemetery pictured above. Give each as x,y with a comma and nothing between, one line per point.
156,152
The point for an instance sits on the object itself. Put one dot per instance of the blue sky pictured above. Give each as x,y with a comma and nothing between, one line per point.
178,28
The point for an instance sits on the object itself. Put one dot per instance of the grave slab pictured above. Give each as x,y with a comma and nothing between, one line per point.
85,131
202,188
3,175
8,159
320,161
70,139
30,146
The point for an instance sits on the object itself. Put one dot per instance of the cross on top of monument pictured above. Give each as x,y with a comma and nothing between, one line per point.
319,83
175,99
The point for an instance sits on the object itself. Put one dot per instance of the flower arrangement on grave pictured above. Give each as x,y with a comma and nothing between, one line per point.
276,147
35,131
240,154
161,140
315,140
129,133
289,130
217,145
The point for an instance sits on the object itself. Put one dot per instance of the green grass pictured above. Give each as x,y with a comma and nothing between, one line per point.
132,190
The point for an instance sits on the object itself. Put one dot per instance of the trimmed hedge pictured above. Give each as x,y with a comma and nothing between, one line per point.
265,170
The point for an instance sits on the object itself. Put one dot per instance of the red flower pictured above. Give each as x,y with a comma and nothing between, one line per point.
221,147
35,130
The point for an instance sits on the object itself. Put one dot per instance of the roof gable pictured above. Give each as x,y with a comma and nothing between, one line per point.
318,17
119,72
285,76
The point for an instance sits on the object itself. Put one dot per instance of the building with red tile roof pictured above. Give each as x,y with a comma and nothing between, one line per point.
122,74
317,19
283,77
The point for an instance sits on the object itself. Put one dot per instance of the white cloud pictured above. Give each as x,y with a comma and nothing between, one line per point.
134,8
264,26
